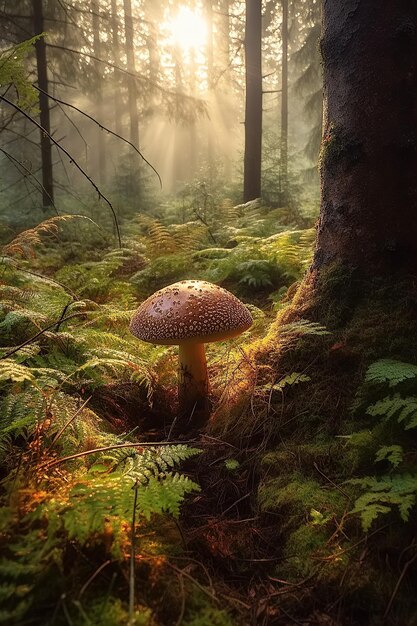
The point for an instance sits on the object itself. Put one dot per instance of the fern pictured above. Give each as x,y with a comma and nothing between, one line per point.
398,490
14,372
25,243
389,371
294,378
12,71
304,327
392,454
404,408
383,494
103,499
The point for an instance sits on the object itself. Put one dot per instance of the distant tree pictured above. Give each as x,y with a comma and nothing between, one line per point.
131,67
253,103
117,96
283,174
44,115
98,91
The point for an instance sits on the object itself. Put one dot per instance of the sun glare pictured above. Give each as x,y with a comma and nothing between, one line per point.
188,29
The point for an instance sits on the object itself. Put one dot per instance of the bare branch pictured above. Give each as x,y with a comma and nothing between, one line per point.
72,160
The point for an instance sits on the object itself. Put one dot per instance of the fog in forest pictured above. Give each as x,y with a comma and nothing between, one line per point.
169,77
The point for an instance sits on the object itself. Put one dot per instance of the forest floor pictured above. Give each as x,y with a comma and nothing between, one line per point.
294,505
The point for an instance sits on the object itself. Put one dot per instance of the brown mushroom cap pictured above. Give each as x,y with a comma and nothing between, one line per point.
190,311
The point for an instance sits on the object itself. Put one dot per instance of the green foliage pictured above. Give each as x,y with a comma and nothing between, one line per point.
232,464
103,499
392,454
382,494
13,72
295,378
389,371
404,408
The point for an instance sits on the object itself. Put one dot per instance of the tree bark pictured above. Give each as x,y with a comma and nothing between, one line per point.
369,148
253,106
283,169
131,66
42,70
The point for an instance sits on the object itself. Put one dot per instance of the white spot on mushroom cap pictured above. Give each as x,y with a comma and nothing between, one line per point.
202,309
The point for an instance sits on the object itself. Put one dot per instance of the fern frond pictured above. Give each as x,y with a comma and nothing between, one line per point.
25,243
392,454
304,327
381,495
10,371
389,371
404,408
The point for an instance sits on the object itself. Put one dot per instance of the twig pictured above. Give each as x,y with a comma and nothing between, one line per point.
234,504
102,127
93,576
182,611
18,164
65,426
72,160
139,444
28,341
397,586
132,561
331,482
193,580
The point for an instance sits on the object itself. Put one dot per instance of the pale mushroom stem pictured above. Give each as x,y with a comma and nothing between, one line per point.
193,386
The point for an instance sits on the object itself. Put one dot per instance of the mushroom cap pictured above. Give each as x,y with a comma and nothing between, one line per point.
190,311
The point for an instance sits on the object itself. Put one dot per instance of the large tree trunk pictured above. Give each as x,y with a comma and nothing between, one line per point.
253,108
283,166
369,149
42,69
131,66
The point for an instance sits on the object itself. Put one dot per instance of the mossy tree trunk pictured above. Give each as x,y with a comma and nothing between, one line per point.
369,147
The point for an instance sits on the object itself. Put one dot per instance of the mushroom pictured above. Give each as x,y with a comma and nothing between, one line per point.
189,314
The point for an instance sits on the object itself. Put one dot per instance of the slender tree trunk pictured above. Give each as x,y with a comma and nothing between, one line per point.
118,108
228,110
369,148
253,109
101,148
283,173
131,66
178,165
42,70
210,86
225,37
192,127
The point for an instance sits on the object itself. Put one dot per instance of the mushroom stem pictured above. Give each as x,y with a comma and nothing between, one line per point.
193,384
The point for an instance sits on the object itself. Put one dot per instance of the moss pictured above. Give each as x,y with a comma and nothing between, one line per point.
200,612
297,495
337,147
301,548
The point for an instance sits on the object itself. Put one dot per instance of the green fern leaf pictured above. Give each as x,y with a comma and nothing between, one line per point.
392,454
390,371
404,408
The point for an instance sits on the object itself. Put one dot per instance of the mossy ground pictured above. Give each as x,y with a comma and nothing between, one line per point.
330,571
270,539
